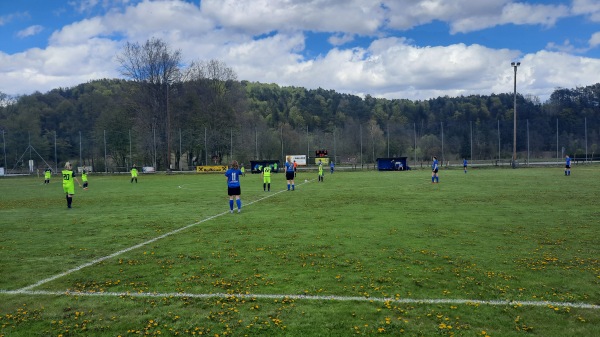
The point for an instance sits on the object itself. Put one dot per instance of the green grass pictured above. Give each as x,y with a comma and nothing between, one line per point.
496,252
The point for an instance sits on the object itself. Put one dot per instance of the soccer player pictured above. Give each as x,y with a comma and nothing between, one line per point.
567,166
233,186
84,179
266,173
68,184
295,168
47,175
134,174
243,169
465,164
320,171
434,171
289,174
331,166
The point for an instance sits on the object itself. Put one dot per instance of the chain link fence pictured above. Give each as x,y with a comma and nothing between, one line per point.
356,145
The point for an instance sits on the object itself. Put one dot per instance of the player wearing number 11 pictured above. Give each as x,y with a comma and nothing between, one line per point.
233,175
289,174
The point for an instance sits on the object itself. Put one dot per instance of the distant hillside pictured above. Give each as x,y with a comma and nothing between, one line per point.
206,121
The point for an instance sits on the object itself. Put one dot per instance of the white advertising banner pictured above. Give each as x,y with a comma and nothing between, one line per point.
300,159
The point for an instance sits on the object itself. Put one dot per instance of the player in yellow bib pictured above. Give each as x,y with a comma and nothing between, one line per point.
320,171
69,179
266,173
134,174
84,179
47,175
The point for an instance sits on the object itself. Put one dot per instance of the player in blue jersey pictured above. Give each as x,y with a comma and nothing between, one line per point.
289,173
465,164
434,171
567,166
233,175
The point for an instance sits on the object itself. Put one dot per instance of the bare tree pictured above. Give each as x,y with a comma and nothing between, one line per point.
156,68
212,69
6,99
222,101
3,98
376,135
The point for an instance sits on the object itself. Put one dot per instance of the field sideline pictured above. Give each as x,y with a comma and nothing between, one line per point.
492,252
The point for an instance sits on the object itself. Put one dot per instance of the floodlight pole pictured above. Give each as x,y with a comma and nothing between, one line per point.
168,131
80,157
105,163
514,158
4,145
55,156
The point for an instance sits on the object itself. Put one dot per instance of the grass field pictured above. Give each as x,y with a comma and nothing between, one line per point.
494,252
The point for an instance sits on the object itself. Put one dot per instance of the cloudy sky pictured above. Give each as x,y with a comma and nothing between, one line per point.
414,49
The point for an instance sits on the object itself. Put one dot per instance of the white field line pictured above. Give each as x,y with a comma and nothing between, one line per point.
91,263
310,298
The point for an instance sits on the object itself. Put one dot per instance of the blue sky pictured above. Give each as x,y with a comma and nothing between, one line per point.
409,49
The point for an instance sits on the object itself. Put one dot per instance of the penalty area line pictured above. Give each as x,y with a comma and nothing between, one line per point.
308,298
145,243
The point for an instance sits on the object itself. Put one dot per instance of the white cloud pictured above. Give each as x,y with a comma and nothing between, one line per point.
79,32
465,16
391,66
406,14
595,40
87,6
565,47
340,39
271,59
589,8
511,13
525,14
30,31
53,67
568,47
183,20
544,70
8,18
263,16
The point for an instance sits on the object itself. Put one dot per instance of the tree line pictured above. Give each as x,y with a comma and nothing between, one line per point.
173,117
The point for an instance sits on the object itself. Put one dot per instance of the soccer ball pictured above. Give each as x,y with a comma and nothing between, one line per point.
305,180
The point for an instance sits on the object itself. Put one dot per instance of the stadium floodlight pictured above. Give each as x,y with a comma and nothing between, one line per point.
514,156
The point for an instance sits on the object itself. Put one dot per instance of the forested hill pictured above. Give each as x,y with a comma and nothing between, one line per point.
320,108
221,107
